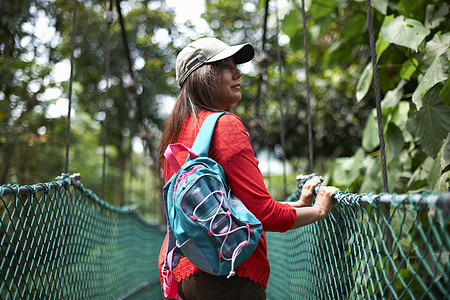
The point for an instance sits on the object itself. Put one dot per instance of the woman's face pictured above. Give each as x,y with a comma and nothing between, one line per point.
227,89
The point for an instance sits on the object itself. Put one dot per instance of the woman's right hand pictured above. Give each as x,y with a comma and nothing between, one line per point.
321,208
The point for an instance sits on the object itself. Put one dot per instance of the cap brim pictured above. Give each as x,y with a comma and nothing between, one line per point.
241,54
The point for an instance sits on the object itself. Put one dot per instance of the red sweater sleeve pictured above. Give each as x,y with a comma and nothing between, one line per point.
231,148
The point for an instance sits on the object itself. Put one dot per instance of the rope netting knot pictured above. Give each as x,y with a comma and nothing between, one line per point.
3,188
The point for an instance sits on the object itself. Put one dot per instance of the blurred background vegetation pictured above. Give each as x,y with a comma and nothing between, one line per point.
413,60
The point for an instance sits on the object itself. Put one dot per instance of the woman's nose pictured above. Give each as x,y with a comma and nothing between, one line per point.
237,73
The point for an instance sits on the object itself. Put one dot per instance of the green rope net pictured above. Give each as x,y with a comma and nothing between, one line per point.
360,253
60,241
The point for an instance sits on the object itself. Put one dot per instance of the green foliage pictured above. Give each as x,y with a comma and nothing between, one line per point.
365,80
436,62
32,147
413,60
431,123
415,107
337,119
439,177
404,32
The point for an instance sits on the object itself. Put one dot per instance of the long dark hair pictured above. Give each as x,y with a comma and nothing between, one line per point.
195,95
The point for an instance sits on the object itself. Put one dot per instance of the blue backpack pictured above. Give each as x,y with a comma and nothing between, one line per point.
207,224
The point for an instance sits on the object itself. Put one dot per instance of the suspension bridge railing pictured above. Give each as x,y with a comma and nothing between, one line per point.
60,241
346,256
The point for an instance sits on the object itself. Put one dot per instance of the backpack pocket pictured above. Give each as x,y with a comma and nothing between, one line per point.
205,204
196,255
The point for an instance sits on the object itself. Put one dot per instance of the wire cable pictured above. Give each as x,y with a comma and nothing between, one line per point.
376,87
74,20
305,45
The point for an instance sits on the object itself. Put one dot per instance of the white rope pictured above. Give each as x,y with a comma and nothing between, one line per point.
228,231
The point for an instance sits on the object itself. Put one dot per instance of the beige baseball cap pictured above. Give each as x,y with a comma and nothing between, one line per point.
208,50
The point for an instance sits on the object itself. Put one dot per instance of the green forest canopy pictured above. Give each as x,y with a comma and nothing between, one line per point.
413,61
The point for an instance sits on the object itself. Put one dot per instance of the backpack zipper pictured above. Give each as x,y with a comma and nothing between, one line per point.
183,179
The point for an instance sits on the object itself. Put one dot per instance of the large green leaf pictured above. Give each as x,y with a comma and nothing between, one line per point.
380,5
440,164
404,32
399,115
370,138
392,97
431,123
435,172
394,142
408,68
445,158
436,73
438,46
364,82
381,44
437,66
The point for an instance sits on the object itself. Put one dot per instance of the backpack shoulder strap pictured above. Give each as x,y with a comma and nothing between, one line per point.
203,139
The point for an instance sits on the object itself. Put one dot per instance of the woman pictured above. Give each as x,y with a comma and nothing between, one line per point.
209,80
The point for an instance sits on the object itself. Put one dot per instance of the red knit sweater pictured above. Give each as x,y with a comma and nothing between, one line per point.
230,147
